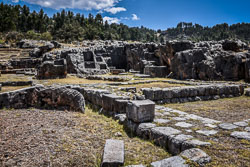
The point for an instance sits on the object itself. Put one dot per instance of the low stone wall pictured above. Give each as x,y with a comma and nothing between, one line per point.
192,93
43,97
137,116
17,83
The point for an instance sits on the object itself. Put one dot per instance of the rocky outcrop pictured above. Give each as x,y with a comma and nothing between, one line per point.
52,69
38,52
235,46
206,63
43,97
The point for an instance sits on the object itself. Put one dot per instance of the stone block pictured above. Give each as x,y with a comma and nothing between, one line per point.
108,101
113,155
141,111
144,130
193,143
175,143
161,135
175,161
120,106
196,155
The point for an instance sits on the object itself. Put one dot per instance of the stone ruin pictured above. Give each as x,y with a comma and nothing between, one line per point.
140,114
211,60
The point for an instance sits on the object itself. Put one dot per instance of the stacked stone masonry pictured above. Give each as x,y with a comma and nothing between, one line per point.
192,93
43,97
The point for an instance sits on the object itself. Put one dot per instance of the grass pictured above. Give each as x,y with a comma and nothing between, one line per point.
14,77
61,138
11,88
226,110
150,85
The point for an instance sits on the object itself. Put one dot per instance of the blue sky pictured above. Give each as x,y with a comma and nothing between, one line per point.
155,14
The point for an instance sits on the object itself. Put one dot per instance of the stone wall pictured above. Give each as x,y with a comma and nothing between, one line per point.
52,69
192,93
43,97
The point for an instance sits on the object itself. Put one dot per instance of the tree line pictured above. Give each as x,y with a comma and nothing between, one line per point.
196,32
19,22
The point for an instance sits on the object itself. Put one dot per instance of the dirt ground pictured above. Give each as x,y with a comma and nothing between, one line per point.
59,138
226,110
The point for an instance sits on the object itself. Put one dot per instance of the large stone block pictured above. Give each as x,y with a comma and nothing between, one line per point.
120,106
113,155
108,101
161,135
141,111
175,161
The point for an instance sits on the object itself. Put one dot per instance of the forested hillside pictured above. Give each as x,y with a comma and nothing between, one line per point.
196,32
19,22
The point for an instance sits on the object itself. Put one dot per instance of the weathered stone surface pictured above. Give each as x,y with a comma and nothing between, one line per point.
144,130
207,132
196,155
247,93
235,46
161,121
52,69
227,126
113,155
192,93
175,161
141,111
136,166
156,71
44,97
194,143
161,135
121,118
241,124
183,125
120,106
175,143
241,135
247,129
108,101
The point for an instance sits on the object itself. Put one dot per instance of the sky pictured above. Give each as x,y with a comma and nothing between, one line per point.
154,14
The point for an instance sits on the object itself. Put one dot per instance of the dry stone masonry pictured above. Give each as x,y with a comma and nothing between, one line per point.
192,93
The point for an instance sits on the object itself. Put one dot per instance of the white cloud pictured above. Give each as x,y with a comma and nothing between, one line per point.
111,19
77,4
135,17
115,10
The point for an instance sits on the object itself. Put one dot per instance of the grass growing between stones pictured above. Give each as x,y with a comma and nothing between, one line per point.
225,110
11,88
60,138
156,84
14,77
